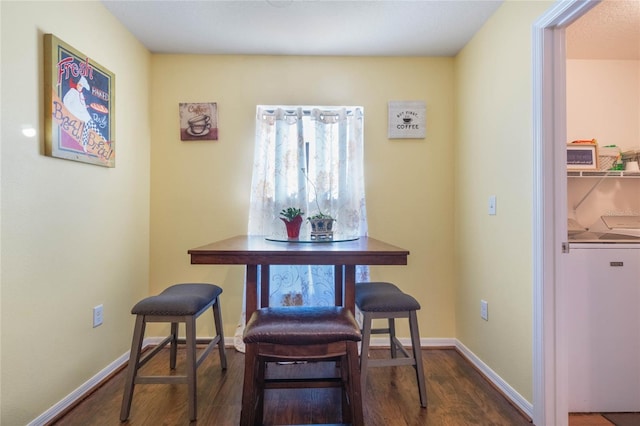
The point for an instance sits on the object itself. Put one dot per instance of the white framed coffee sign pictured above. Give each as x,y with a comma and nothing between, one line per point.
407,120
198,121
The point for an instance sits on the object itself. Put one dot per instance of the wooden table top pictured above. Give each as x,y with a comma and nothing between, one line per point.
257,250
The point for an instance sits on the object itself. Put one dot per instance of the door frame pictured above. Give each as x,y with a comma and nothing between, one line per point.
550,375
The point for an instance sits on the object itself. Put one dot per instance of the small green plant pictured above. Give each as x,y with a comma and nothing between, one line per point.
291,213
320,216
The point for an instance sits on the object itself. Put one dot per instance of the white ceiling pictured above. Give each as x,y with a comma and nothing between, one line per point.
611,30
304,27
353,28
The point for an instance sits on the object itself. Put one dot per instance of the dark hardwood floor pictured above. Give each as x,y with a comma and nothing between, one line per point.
457,395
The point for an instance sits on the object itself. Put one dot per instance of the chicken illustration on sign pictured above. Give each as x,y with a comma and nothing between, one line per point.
79,110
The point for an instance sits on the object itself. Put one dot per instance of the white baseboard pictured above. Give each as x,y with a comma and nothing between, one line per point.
525,406
86,387
510,393
79,393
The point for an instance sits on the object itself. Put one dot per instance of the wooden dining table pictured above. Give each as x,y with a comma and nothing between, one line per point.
259,252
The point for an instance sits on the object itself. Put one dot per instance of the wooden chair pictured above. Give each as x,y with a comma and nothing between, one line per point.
382,300
180,303
301,334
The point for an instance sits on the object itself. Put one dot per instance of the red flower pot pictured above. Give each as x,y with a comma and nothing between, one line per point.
293,226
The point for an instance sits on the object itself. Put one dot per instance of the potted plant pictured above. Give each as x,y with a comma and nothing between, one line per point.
321,226
321,223
292,218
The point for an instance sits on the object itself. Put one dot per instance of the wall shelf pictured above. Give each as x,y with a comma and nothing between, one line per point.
602,174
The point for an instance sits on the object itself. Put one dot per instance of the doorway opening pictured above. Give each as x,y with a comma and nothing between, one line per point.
550,405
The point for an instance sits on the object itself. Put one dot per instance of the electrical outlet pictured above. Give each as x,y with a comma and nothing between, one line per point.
97,316
484,310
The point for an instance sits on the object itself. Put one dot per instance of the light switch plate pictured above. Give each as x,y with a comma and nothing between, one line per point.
97,316
492,205
484,310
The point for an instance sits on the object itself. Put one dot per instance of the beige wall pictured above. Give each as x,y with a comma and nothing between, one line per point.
494,157
200,190
603,102
73,235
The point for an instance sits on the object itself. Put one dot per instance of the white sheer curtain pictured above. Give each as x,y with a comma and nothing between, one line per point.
309,158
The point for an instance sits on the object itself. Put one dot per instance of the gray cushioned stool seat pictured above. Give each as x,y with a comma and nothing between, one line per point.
179,303
179,299
383,297
377,286
383,300
297,333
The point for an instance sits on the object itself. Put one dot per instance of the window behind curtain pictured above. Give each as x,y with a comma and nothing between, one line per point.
309,157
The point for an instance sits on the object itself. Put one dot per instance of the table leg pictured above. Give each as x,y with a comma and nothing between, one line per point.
251,292
350,287
264,286
339,284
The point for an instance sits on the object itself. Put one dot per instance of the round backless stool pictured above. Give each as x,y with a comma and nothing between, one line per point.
385,300
298,333
180,303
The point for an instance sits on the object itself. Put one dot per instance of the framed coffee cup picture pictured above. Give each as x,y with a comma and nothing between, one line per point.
198,121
